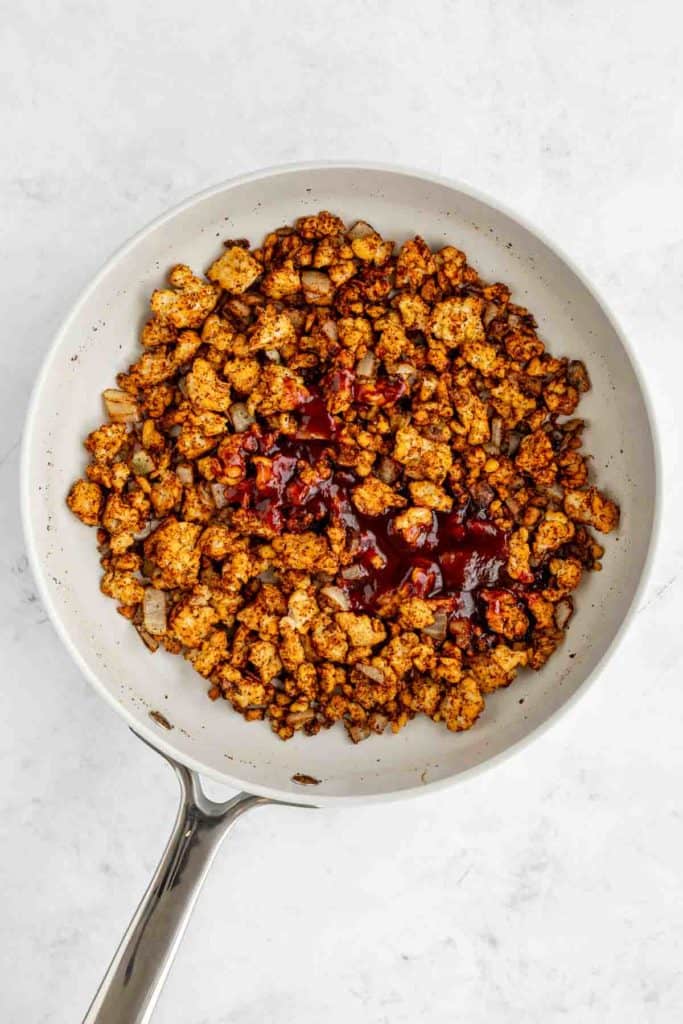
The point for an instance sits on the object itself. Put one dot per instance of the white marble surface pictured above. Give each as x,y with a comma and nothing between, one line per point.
546,891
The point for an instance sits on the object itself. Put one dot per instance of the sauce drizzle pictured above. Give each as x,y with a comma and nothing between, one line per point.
302,489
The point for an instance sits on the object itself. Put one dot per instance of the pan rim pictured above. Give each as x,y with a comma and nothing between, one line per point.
147,731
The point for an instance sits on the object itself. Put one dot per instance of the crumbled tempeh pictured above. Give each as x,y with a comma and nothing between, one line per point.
85,500
172,549
422,457
188,303
235,271
346,466
457,321
374,498
590,506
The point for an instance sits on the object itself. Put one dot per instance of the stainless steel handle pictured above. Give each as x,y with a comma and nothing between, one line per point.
132,984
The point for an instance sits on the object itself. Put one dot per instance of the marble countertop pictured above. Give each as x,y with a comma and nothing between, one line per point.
546,891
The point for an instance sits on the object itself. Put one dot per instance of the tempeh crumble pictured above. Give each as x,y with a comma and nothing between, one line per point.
344,481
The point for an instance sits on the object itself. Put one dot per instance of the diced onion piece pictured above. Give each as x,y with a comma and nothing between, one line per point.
154,611
148,568
439,626
358,732
387,470
297,318
241,417
407,371
361,229
218,495
298,718
239,310
371,672
367,366
268,575
564,610
378,722
573,426
317,287
272,354
142,463
354,572
144,532
150,642
329,329
497,431
240,306
513,442
491,311
121,407
338,597
184,474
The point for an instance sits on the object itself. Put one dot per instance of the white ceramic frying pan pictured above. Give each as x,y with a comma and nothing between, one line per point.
151,692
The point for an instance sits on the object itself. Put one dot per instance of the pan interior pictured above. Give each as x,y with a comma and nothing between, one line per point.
100,338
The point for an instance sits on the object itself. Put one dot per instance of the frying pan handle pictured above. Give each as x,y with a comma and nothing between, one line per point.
132,984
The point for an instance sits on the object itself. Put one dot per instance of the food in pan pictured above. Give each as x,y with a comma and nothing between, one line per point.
345,480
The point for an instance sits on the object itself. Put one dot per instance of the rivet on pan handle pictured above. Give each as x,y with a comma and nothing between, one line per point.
131,986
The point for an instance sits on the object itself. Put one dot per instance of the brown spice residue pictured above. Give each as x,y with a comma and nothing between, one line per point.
305,780
161,719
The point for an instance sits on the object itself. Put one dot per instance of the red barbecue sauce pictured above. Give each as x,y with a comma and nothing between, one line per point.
460,553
